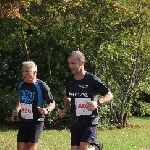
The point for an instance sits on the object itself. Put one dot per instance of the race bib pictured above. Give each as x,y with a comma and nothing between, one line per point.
81,106
26,111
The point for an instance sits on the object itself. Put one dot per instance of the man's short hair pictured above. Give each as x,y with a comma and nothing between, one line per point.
79,55
31,65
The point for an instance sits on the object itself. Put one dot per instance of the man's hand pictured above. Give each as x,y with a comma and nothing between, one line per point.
62,113
14,116
43,111
91,105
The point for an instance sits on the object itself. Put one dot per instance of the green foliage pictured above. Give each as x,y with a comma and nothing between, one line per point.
114,35
53,121
144,108
7,104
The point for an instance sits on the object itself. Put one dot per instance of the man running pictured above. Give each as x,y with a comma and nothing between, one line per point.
32,94
81,90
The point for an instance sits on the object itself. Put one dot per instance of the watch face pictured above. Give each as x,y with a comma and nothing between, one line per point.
48,109
100,102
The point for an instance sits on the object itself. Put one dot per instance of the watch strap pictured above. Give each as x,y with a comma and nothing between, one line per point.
100,102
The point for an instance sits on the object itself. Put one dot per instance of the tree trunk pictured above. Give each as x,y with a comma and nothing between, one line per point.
25,48
124,100
48,55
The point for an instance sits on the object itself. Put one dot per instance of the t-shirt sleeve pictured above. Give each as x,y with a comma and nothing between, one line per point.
99,87
18,87
47,95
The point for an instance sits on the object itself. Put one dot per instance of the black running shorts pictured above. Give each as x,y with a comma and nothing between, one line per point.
86,133
30,131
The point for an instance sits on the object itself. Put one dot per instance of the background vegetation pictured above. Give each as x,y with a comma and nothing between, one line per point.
113,35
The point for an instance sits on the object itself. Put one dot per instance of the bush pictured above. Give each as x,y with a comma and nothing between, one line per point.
7,104
140,108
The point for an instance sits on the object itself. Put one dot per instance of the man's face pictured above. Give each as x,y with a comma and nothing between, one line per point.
28,74
74,64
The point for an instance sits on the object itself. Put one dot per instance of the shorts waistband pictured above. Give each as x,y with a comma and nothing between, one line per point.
31,120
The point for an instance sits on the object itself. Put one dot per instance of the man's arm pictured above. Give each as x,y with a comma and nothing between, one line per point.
48,97
91,105
18,106
105,99
51,106
16,110
67,103
48,109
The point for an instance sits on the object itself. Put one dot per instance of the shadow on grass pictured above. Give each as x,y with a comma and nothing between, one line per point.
61,125
143,117
15,126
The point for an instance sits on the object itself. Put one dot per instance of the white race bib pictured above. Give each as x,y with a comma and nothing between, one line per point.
81,106
26,111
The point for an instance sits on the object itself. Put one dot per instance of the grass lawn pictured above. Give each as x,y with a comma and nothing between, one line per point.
134,137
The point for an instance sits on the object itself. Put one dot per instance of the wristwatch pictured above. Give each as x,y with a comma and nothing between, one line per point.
48,109
99,102
15,112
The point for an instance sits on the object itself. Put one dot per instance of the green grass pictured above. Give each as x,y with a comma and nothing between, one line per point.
134,137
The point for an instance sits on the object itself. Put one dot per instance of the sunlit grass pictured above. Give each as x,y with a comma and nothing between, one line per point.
55,140
134,137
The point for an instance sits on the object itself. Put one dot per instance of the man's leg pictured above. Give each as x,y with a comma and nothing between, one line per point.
89,135
82,137
34,134
31,146
74,147
22,136
98,145
84,146
21,146
75,137
26,146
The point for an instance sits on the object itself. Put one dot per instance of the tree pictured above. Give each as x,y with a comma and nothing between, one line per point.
127,55
114,35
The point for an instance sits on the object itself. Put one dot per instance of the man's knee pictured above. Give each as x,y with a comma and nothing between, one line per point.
31,146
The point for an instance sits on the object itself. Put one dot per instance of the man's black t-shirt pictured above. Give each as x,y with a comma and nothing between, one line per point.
32,95
85,89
